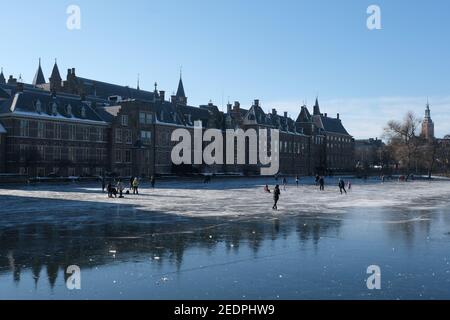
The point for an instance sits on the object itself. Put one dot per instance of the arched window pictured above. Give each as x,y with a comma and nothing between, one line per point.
69,110
54,109
83,112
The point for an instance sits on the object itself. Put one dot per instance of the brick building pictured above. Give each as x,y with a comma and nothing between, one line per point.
52,133
81,126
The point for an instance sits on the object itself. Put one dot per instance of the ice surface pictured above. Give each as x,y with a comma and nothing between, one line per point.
188,240
233,198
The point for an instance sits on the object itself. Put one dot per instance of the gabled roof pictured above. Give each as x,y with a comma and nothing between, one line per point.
331,125
304,115
39,77
105,90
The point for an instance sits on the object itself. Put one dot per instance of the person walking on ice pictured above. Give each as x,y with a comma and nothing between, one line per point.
120,188
136,186
297,180
321,184
341,185
276,197
284,184
152,181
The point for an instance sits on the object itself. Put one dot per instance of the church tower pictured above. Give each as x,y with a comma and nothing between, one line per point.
428,125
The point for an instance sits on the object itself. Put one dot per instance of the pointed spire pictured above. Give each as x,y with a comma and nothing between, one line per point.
2,77
317,107
138,81
55,78
39,77
55,72
428,111
180,91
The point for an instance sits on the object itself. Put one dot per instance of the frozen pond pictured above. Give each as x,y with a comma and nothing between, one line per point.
187,240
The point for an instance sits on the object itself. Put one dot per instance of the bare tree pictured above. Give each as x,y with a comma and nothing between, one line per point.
402,138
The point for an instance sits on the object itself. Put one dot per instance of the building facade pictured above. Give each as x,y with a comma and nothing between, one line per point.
84,127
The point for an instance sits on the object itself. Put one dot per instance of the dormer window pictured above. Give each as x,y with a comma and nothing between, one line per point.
38,106
83,112
69,110
54,109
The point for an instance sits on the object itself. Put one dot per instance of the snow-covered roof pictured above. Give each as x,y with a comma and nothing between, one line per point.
39,103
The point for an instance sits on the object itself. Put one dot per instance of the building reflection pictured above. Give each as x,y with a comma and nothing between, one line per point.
48,247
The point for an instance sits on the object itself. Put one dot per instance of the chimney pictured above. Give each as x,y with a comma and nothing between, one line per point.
162,95
326,115
256,103
338,116
69,72
12,80
73,72
274,112
237,106
285,114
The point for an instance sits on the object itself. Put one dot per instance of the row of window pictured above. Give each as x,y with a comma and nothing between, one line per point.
50,130
71,171
339,139
335,146
292,147
48,153
145,118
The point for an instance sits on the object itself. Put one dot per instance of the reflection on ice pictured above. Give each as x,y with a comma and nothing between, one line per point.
224,241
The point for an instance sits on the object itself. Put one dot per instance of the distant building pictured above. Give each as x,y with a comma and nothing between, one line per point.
85,127
368,152
428,125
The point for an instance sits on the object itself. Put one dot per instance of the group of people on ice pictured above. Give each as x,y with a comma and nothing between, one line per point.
320,181
114,188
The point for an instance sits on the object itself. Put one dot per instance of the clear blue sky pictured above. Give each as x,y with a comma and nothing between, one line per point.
281,52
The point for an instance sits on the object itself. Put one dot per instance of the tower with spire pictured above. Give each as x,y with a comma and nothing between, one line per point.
181,96
316,111
428,124
39,78
55,79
